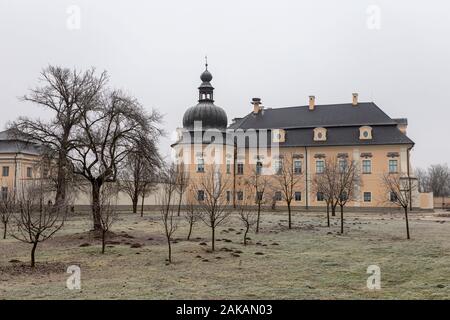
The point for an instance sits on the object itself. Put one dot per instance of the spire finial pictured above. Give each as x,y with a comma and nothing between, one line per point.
206,62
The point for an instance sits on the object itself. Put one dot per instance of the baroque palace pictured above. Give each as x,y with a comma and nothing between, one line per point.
259,143
308,135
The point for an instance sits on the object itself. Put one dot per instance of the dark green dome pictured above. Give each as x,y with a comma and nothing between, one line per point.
210,115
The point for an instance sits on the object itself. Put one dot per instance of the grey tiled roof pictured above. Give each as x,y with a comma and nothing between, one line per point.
346,136
341,120
13,143
331,115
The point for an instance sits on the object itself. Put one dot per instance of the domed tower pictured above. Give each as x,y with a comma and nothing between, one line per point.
201,143
210,115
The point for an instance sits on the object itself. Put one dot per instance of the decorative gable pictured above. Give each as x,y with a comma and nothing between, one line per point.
320,134
365,133
278,135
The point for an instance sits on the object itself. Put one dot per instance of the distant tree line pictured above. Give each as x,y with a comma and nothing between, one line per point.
436,179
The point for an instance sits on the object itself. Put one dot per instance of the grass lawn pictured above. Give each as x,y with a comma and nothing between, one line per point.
309,261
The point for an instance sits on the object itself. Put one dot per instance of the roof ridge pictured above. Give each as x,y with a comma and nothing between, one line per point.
318,105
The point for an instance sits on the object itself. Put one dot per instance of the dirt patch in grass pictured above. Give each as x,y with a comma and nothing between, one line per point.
17,268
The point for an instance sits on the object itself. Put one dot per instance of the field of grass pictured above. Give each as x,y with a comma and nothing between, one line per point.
309,261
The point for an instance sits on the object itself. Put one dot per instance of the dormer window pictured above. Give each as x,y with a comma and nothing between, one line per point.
365,133
278,135
320,134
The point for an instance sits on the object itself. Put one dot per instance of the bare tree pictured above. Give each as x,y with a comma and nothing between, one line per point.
423,180
288,181
182,183
37,219
148,185
400,189
326,183
192,215
140,166
106,136
166,203
348,183
261,189
65,93
439,180
108,212
211,198
246,213
7,208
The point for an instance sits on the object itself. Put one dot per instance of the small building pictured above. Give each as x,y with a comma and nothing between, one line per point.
18,161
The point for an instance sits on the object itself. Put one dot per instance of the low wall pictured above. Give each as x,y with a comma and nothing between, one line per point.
442,203
153,207
426,200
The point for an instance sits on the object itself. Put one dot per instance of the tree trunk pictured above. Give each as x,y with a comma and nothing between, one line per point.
328,215
134,201
142,206
33,250
407,222
5,225
96,214
103,241
213,234
179,204
342,219
170,249
245,235
289,213
333,210
258,217
191,223
61,178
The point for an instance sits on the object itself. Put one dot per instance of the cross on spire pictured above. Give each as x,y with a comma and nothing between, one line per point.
206,62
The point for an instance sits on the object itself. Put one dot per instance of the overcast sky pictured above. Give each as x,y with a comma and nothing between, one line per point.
395,53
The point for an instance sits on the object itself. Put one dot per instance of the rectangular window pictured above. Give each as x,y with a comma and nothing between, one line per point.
278,196
320,196
367,166
200,195
29,172
277,166
320,166
342,165
298,196
259,196
367,196
240,168
297,166
228,167
240,195
200,165
5,171
259,167
393,166
392,197
4,193
228,196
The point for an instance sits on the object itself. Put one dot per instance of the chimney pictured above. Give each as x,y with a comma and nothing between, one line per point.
402,124
312,102
256,102
354,99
